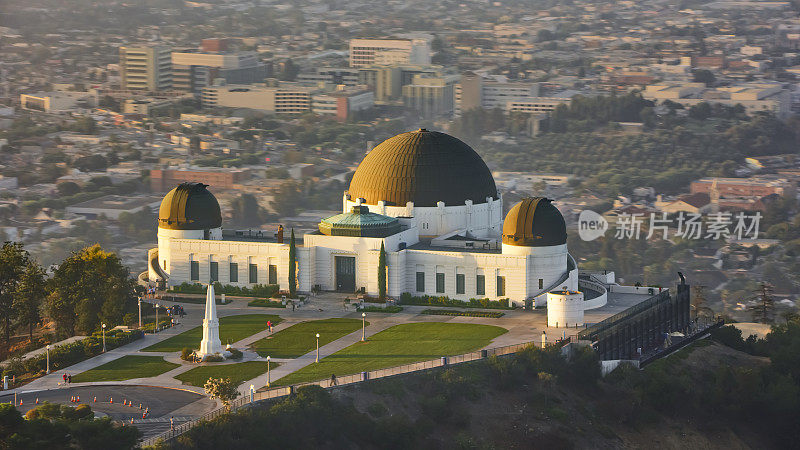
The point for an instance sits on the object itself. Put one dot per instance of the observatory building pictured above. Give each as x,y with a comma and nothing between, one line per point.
432,203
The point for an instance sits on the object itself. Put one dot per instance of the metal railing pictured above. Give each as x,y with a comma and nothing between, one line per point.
283,391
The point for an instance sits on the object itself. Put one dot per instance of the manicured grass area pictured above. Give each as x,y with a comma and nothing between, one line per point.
238,372
231,328
299,339
125,368
400,344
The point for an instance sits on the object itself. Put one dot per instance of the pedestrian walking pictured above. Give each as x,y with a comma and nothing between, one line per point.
69,379
333,380
171,423
269,326
65,377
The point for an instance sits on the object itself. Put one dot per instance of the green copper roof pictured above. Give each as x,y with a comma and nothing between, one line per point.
359,223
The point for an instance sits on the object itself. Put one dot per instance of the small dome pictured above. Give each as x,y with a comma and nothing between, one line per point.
534,222
190,206
424,167
359,223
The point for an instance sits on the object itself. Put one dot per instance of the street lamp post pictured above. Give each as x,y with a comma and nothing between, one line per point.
140,312
155,328
269,380
363,327
317,360
104,338
48,358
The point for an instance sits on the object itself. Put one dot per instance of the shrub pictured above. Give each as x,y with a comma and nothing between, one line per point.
378,309
257,290
214,358
440,312
265,303
186,353
429,300
235,353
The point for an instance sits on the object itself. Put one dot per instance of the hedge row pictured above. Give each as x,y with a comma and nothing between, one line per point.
378,309
440,312
429,300
266,303
257,290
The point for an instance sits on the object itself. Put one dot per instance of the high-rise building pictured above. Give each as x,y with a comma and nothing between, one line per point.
370,52
430,95
147,68
192,71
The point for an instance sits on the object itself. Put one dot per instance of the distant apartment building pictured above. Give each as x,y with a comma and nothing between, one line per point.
58,101
387,81
145,68
342,103
219,178
192,71
431,95
755,97
330,75
370,52
475,91
283,98
744,187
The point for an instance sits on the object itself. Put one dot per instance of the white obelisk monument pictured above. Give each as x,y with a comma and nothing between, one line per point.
210,344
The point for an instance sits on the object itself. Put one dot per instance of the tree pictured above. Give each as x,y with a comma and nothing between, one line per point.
292,266
764,304
68,188
382,274
30,295
95,285
13,261
704,76
246,210
700,111
221,388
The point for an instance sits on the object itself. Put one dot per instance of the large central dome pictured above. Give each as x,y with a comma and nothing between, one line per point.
424,167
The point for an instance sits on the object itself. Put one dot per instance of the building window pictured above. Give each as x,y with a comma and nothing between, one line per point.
253,273
541,283
194,271
420,281
213,268
480,285
273,274
234,273
501,286
459,283
440,283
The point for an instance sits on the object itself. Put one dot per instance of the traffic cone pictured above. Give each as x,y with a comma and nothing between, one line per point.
111,400
78,399
37,400
20,402
95,399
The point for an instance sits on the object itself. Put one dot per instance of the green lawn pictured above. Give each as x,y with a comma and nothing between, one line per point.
299,339
238,372
125,368
231,328
400,344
